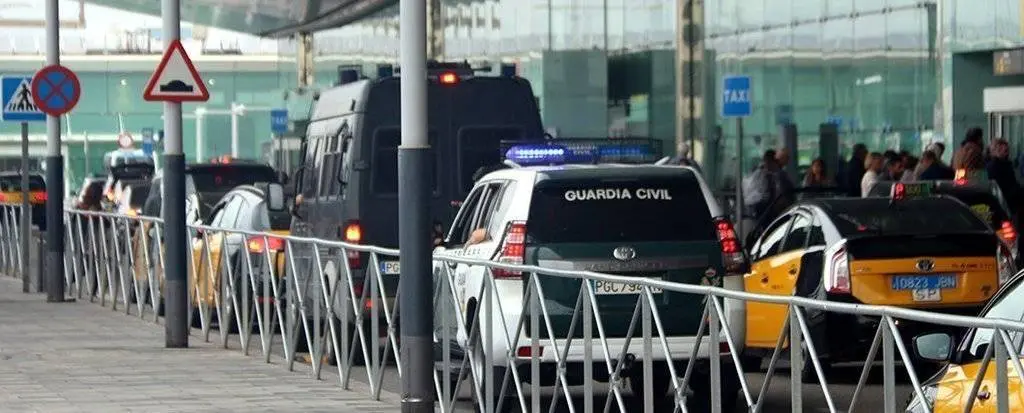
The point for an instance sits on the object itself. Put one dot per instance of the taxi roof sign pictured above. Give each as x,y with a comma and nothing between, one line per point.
901,190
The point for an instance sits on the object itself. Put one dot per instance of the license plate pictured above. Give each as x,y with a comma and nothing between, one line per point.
390,268
927,295
615,288
924,282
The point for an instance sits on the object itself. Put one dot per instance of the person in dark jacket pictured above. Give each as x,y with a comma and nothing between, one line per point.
932,169
1000,169
854,170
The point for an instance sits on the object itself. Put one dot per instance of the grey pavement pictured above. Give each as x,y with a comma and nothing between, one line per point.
80,357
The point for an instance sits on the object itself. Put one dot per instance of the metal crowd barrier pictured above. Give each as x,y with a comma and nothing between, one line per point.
10,240
310,300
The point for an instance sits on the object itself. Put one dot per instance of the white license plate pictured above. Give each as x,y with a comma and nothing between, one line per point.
390,268
927,294
614,288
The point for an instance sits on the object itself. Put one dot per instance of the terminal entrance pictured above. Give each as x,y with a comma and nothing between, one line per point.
1009,126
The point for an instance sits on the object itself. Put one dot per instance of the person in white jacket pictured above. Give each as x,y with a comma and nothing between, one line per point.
873,165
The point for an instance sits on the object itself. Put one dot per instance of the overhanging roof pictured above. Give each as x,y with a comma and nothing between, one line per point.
272,18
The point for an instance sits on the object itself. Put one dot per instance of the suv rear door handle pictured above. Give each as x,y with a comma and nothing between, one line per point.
793,270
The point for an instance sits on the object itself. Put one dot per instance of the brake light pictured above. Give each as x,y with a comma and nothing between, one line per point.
838,281
353,234
38,197
449,78
732,254
513,249
1007,232
258,244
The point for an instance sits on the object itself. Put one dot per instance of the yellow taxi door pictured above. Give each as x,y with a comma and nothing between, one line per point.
206,259
762,317
954,389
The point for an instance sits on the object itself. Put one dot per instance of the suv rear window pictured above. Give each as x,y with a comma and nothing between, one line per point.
620,210
224,178
912,216
13,183
481,147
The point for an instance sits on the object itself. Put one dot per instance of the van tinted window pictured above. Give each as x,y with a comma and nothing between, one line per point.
621,210
385,160
13,183
481,147
911,216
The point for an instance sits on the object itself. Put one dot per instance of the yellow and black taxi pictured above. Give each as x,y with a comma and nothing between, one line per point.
911,249
253,208
11,193
983,197
950,390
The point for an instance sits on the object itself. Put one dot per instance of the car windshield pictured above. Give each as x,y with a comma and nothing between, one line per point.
906,217
620,210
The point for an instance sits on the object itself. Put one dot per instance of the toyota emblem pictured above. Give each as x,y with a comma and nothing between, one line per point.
624,253
925,265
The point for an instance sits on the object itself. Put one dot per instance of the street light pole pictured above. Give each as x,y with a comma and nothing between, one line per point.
414,172
54,172
176,307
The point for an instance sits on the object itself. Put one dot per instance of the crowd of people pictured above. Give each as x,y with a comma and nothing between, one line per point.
769,189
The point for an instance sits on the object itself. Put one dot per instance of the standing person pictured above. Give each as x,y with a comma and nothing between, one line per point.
910,170
816,176
855,170
931,168
763,189
872,167
892,171
683,157
1000,169
970,153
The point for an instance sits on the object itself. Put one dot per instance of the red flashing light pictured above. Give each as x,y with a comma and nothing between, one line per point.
449,78
898,190
960,177
258,244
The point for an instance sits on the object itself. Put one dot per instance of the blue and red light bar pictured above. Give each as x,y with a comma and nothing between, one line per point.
583,153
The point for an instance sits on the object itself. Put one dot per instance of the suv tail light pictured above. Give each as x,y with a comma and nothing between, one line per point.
1004,257
352,233
513,249
732,254
1008,234
838,280
258,243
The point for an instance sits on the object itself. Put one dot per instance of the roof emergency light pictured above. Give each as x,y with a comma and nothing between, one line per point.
449,78
536,154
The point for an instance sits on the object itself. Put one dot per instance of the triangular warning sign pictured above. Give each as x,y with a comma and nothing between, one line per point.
176,78
21,101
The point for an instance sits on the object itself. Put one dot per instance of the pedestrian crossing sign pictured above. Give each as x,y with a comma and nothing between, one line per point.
18,105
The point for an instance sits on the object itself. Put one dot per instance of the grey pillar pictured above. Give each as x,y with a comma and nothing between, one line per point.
828,147
176,306
414,229
304,60
54,173
435,30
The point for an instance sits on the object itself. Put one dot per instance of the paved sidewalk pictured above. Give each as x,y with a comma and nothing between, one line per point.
80,357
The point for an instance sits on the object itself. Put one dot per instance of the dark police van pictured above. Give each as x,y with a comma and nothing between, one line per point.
347,184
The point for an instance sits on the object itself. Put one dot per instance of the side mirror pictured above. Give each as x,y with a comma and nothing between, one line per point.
275,197
934,346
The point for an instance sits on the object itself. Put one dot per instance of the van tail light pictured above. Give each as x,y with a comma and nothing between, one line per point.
732,253
838,281
1004,257
513,249
352,233
258,244
38,197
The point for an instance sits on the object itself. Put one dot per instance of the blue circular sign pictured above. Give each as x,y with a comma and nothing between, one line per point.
56,90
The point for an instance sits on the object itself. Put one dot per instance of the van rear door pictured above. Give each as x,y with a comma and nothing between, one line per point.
652,227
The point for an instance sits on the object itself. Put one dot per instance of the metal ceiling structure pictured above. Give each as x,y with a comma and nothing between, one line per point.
269,18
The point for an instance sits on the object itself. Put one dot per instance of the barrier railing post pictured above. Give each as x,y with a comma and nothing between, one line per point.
796,362
888,369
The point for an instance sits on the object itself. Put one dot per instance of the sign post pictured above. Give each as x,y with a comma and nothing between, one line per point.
279,126
55,90
175,80
736,103
18,106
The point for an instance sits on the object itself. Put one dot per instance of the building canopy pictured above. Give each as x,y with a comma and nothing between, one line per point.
272,18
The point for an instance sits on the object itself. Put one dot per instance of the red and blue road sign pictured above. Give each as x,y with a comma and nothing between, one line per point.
56,90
